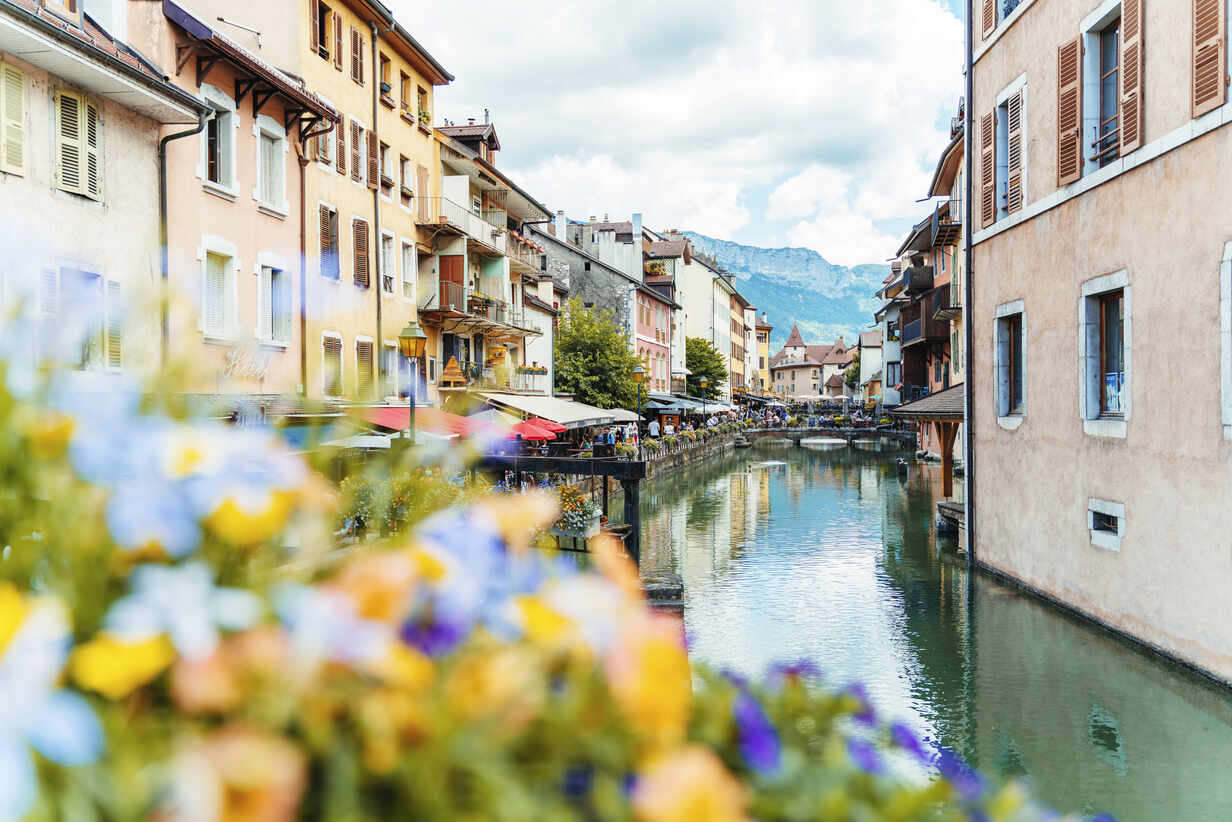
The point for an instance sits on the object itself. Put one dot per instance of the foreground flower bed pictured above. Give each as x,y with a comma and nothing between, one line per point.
180,639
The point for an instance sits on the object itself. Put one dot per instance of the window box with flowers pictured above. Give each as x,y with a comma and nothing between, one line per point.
579,516
533,369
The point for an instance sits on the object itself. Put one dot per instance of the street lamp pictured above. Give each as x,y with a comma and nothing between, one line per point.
703,382
412,342
639,377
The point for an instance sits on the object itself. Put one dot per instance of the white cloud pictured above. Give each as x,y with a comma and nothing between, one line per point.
682,110
849,239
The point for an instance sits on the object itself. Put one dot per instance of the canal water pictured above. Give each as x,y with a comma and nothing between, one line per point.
829,554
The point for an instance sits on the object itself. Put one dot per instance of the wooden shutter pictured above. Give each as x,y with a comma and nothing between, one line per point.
1013,154
357,137
327,242
69,142
421,191
332,378
340,128
115,326
314,21
360,48
363,368
989,18
1131,75
337,41
94,159
988,170
1209,74
1069,112
13,124
361,253
356,55
374,161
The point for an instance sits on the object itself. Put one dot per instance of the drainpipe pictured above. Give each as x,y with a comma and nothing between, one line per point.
376,198
165,297
303,268
968,372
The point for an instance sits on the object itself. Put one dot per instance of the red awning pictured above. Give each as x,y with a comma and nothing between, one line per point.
547,425
397,417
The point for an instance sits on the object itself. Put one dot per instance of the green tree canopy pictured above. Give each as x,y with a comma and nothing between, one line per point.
593,358
703,359
852,374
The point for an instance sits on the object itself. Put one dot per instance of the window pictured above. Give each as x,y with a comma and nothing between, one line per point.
1107,143
364,382
405,192
394,367
68,9
320,28
425,112
12,120
994,13
476,206
404,94
271,175
387,169
410,270
78,306
1104,350
275,316
1009,155
894,373
1011,363
357,152
386,81
79,137
216,296
330,262
388,272
1106,523
357,56
218,144
331,365
359,234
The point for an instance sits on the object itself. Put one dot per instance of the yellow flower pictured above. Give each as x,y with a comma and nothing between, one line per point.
115,668
501,682
519,518
238,775
542,624
650,679
13,611
241,524
380,585
50,434
688,785
405,667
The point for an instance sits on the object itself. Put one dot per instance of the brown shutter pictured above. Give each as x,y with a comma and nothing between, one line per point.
337,41
374,161
340,128
363,368
989,17
361,253
1013,154
360,46
988,171
1131,75
332,381
1069,112
314,20
354,54
1209,74
326,226
357,136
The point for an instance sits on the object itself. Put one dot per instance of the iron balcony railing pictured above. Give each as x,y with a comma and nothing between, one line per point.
442,211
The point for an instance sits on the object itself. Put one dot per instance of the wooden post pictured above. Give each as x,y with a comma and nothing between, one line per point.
946,432
605,486
633,517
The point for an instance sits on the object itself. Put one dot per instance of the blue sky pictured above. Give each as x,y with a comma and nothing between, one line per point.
812,123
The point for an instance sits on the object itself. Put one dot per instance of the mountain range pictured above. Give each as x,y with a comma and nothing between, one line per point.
799,286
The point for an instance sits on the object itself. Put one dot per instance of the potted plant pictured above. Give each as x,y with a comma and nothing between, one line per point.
386,88
579,517
425,117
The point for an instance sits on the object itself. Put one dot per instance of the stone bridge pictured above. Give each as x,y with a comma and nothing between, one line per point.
907,439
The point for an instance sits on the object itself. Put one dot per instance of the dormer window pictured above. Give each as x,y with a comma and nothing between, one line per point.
70,10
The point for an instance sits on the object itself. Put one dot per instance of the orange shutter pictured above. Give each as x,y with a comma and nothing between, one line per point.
359,49
374,161
1013,154
1069,112
337,41
361,253
989,17
314,22
357,137
333,367
988,175
340,129
363,368
1209,74
327,244
1131,75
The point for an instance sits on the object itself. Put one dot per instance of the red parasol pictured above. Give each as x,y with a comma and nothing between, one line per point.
532,432
547,425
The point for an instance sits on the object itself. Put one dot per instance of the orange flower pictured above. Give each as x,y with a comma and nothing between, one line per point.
380,584
688,785
238,775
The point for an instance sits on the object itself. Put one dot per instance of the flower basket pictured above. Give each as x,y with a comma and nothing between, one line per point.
584,530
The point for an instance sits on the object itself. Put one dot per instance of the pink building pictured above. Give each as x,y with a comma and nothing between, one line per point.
654,337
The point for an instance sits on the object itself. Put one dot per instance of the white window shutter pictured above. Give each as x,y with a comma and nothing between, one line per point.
94,153
49,293
13,124
216,294
265,322
115,326
281,295
69,148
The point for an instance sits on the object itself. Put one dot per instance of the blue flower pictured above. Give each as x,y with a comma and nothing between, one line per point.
865,756
578,780
324,627
759,741
434,638
33,713
965,779
149,513
866,715
183,603
800,669
906,739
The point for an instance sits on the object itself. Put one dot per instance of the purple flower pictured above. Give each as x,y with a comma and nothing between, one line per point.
432,637
978,816
866,715
969,784
759,741
1103,817
578,780
865,756
906,739
800,669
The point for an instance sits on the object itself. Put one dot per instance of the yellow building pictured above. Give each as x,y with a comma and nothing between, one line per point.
738,354
763,354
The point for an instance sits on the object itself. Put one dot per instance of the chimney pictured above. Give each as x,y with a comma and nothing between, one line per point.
562,227
592,219
635,253
605,218
470,120
486,117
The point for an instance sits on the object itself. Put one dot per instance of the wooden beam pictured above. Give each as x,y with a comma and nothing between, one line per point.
182,55
205,62
260,98
633,517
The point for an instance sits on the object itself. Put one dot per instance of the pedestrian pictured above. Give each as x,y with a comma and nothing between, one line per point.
654,429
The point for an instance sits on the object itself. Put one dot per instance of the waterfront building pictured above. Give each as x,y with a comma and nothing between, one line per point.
81,116
890,326
763,329
737,305
236,227
752,373
835,364
1101,229
870,366
798,369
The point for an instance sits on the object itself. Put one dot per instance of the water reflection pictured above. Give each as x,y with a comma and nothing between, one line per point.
832,557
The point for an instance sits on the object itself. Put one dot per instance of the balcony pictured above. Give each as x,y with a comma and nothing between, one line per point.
918,278
946,225
468,309
447,217
947,303
523,254
919,324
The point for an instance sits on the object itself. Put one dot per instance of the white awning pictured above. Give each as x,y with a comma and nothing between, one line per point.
566,412
622,415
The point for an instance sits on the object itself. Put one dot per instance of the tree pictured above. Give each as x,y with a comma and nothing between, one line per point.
593,360
704,360
852,374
